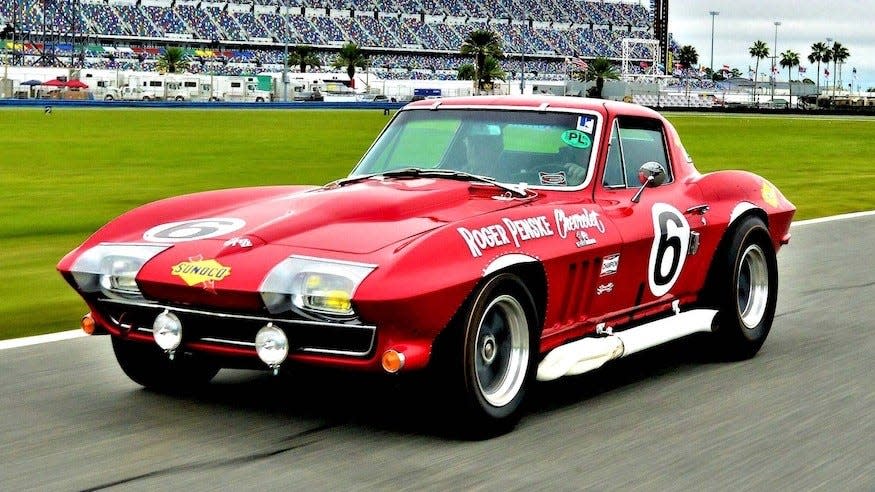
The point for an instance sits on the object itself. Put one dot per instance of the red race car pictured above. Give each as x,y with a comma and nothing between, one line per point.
492,240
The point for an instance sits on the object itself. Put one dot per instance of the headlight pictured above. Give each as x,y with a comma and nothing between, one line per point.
113,268
313,285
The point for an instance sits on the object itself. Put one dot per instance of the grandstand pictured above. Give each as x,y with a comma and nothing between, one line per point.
405,39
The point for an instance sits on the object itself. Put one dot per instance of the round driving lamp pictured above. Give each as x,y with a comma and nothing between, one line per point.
272,346
167,330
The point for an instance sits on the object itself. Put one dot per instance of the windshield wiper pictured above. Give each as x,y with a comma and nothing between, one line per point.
415,172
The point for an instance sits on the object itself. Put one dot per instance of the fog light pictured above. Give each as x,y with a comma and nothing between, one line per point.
87,324
167,330
272,346
393,361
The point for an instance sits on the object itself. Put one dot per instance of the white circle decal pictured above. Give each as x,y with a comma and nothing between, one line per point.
190,230
671,240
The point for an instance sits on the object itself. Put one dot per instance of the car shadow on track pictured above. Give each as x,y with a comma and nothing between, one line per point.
324,399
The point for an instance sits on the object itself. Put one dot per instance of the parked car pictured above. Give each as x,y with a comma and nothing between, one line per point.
490,241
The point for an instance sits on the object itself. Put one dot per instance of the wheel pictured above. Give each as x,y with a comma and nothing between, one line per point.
108,97
746,291
148,365
259,99
180,98
145,98
487,360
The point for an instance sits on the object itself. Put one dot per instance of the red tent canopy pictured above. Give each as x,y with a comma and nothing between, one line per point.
53,83
76,84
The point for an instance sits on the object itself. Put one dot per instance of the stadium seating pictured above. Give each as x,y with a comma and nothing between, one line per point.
405,37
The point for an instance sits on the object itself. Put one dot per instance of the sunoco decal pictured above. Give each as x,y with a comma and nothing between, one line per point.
610,265
200,271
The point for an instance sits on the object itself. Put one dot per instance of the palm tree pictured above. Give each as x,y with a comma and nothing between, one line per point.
818,50
482,43
688,56
466,71
491,71
304,56
789,59
839,55
599,69
174,59
759,50
350,57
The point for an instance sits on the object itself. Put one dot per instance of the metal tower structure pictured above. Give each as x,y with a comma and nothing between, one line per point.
660,30
45,25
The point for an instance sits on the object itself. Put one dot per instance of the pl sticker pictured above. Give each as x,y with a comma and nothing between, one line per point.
586,124
576,139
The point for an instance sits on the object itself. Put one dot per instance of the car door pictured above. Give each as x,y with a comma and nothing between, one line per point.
658,225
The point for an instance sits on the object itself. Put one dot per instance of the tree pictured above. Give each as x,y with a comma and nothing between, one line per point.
173,60
789,59
304,56
482,43
839,55
490,72
600,69
688,56
818,50
467,71
736,73
759,50
350,57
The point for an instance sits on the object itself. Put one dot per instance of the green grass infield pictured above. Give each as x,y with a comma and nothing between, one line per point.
67,173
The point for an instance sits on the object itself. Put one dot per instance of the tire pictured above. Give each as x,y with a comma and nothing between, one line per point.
746,290
180,98
108,97
487,360
148,365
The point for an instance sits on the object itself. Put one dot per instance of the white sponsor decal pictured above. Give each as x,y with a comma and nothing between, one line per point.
509,231
671,239
586,219
610,265
242,242
583,239
190,230
604,289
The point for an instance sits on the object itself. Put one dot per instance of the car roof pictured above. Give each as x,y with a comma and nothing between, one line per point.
538,102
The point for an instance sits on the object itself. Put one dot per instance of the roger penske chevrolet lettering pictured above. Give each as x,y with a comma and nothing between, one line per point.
486,243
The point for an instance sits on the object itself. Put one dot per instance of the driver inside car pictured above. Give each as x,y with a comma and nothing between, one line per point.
573,164
483,149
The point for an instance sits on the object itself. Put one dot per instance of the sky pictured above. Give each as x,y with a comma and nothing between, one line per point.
743,22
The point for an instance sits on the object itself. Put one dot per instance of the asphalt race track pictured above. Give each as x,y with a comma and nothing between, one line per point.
799,416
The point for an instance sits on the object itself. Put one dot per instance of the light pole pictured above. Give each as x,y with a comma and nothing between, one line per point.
286,53
714,15
775,62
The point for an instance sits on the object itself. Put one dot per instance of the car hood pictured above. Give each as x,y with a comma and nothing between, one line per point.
355,218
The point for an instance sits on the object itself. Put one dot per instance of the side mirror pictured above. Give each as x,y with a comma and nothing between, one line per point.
650,174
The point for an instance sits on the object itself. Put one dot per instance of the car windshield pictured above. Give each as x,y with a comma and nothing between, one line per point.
538,148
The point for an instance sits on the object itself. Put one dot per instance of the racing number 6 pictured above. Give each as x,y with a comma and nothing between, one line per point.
671,239
190,230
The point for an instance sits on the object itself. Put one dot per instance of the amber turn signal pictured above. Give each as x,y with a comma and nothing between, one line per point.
393,361
87,324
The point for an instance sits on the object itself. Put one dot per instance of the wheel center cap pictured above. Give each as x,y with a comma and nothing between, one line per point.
488,350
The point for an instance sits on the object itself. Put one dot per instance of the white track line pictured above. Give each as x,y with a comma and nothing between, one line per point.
36,340
67,335
832,218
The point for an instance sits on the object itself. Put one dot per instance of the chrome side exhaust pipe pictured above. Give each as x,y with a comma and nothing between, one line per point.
587,354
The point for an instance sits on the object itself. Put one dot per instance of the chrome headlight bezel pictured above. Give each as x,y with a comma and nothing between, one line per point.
112,268
315,286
